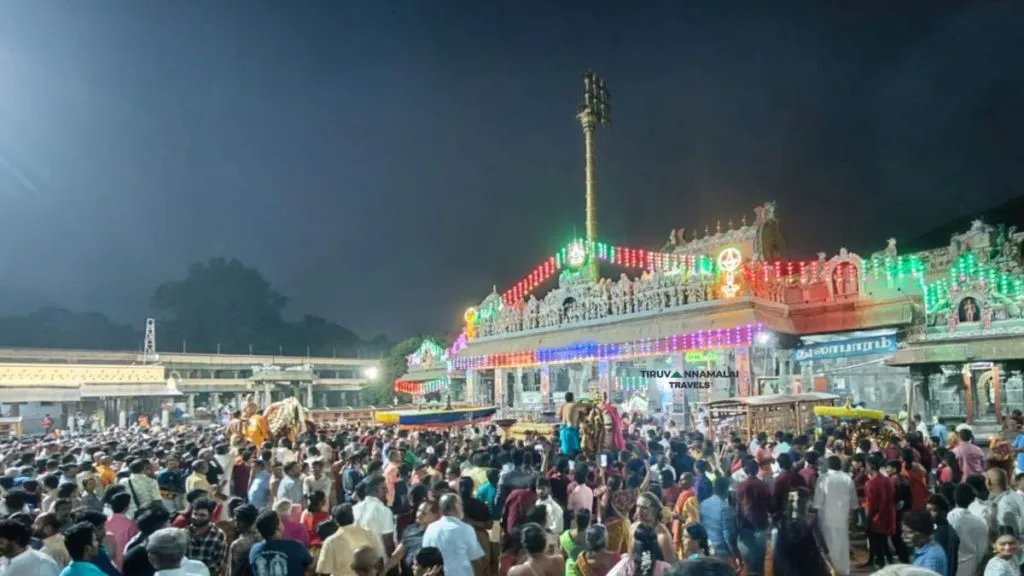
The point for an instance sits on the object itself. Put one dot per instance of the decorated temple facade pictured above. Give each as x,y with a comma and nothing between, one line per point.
966,355
428,375
717,315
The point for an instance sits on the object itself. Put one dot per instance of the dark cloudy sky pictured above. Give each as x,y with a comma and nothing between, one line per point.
385,162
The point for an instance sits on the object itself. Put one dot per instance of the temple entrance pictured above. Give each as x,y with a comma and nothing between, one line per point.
985,388
510,390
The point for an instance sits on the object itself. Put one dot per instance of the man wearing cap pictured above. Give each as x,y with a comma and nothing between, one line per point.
918,529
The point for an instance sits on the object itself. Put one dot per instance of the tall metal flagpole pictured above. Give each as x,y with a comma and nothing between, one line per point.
594,110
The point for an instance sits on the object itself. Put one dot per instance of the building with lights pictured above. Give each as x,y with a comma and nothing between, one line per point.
37,382
712,316
428,376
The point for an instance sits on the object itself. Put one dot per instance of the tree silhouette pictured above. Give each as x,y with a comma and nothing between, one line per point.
54,327
221,305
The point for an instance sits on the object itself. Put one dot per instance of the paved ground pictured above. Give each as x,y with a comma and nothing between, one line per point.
860,556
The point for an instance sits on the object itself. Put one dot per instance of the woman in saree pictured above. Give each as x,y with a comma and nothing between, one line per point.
596,560
618,502
644,559
573,541
686,511
618,509
1001,452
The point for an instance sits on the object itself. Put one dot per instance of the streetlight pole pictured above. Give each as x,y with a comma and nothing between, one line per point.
594,110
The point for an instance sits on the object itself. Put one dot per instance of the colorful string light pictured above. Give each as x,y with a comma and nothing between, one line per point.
428,354
576,253
422,388
744,335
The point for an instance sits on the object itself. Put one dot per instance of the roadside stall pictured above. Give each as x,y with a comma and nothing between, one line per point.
751,415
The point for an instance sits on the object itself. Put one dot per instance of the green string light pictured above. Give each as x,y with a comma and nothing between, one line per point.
967,272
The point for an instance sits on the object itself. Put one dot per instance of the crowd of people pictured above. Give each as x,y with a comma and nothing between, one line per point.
369,500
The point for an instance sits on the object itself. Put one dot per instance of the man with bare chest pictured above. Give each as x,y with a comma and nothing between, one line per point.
569,433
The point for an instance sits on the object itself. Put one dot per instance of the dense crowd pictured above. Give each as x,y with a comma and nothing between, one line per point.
369,500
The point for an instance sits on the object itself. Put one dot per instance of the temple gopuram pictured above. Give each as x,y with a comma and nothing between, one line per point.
708,316
966,354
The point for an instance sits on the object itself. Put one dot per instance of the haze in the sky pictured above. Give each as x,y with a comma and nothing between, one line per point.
385,163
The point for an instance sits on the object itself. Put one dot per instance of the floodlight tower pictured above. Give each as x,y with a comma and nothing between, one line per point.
595,109
149,355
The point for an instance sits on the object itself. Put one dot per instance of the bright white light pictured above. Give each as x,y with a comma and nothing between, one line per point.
371,373
763,338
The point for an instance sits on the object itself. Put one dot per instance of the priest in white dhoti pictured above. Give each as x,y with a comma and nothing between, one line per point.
835,497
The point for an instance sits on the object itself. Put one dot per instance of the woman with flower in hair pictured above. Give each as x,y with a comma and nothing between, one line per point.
645,559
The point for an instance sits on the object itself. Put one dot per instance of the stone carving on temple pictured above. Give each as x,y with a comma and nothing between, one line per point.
577,300
971,282
843,274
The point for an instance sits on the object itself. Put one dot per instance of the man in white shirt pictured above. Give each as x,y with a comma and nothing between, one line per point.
454,538
972,531
317,481
21,559
555,517
141,486
835,497
371,513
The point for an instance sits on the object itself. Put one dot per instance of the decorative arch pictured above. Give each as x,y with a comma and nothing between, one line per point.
969,307
843,273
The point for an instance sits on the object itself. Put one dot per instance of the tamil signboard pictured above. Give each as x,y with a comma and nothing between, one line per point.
845,348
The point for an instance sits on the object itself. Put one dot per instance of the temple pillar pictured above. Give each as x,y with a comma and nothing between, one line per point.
471,377
268,397
997,392
605,368
165,415
785,356
191,399
517,389
545,385
122,413
909,387
499,385
742,362
309,395
965,370
1013,382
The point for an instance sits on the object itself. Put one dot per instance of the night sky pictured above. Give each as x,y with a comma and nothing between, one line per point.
384,163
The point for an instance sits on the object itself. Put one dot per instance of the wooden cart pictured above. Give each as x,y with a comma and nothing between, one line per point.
755,414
